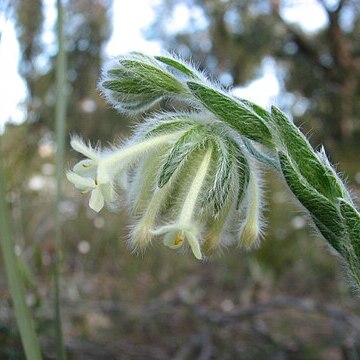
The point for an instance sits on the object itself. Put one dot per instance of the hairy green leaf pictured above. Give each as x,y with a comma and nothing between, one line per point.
324,212
234,113
334,179
294,143
186,144
177,65
219,192
129,86
243,170
328,235
257,109
260,156
171,126
156,77
352,221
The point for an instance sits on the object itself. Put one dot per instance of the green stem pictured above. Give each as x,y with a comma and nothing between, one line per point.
60,113
23,317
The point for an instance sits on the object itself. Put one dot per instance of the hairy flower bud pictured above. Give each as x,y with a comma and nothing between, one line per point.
135,82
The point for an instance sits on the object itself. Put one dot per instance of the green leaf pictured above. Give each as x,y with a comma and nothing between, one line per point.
236,114
170,126
337,185
129,86
243,170
176,65
298,148
352,221
325,214
260,156
328,235
140,105
257,109
153,76
225,161
187,143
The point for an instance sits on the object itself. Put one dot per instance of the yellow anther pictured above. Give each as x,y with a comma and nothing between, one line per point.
179,239
86,165
96,183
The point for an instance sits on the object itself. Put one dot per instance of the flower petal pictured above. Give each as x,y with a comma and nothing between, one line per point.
103,173
96,200
79,145
107,192
86,168
164,229
79,181
194,244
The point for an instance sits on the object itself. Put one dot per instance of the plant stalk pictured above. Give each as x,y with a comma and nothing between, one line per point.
22,313
60,113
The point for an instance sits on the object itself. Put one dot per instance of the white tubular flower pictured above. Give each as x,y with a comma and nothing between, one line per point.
142,233
185,228
97,173
84,176
250,231
216,229
100,193
118,160
177,234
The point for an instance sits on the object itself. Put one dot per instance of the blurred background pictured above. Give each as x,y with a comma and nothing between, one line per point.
289,299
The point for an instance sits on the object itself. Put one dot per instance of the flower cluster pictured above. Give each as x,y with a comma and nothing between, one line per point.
188,180
193,177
